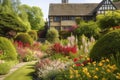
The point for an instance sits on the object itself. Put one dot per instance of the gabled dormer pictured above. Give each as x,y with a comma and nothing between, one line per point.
105,5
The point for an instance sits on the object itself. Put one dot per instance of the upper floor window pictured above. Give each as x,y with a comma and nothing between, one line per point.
68,18
57,19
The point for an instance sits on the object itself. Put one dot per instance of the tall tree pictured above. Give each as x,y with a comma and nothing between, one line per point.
15,5
7,6
35,16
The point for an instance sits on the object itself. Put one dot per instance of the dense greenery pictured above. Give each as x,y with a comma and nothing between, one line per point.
10,22
8,50
89,29
52,35
4,68
33,16
24,38
110,19
33,34
106,45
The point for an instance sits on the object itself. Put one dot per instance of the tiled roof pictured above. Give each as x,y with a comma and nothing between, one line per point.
75,9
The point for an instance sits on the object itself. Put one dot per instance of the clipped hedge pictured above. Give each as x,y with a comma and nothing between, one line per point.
33,34
106,45
24,38
8,50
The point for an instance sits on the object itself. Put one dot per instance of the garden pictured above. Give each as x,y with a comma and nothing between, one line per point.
90,51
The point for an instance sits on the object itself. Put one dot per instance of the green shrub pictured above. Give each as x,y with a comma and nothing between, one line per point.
8,50
12,22
24,38
29,56
106,45
88,29
64,34
109,19
33,34
4,68
52,35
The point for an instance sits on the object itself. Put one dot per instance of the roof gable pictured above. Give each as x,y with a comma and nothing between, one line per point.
105,5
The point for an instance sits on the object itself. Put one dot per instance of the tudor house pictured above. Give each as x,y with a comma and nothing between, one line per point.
63,15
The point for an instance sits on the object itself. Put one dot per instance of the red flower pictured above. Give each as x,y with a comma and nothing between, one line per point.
78,64
75,59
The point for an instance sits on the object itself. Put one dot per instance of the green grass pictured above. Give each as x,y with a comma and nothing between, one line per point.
23,73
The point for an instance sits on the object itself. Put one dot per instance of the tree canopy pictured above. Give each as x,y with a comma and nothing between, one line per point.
109,19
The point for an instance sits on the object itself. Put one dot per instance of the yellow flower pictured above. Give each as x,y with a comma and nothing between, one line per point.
96,69
71,76
85,70
95,77
104,79
71,72
100,64
88,74
107,60
118,76
94,63
108,70
88,58
103,61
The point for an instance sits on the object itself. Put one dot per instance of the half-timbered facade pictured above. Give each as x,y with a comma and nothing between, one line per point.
62,16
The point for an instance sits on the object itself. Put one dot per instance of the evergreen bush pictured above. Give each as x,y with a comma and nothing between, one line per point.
8,50
24,38
106,45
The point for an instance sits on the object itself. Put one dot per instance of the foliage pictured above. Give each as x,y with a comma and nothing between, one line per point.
92,71
10,22
4,68
106,45
52,35
33,34
8,50
110,19
89,29
33,16
24,38
64,34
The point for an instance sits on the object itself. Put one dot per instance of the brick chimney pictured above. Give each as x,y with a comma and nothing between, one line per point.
64,1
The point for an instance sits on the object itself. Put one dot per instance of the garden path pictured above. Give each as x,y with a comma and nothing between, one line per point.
16,67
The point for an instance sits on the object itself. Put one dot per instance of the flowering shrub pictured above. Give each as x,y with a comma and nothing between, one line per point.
102,70
28,52
47,69
66,50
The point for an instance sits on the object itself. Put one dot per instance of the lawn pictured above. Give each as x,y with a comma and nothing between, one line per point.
24,73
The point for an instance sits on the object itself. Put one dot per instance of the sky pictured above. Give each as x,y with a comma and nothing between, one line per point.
44,4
